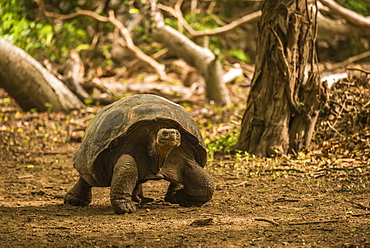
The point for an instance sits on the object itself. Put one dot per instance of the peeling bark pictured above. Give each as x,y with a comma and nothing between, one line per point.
30,84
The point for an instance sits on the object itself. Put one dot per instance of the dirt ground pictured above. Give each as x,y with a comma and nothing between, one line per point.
302,201
273,208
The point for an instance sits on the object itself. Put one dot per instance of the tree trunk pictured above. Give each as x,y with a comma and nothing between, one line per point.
201,58
30,84
284,100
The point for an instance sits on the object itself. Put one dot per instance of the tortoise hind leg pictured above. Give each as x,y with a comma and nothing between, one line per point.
193,188
125,177
171,192
138,195
80,194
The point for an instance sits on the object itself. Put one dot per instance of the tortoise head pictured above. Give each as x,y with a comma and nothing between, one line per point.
167,139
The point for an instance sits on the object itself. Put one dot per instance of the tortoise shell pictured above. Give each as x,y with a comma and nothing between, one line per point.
116,121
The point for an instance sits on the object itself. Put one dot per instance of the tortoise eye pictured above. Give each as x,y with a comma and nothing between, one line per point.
165,133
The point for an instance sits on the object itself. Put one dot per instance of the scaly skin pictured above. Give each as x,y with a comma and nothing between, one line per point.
80,194
195,188
190,184
125,177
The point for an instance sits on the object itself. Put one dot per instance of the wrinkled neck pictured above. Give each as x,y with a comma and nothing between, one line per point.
158,154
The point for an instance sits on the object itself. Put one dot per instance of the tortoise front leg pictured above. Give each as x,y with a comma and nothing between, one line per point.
80,194
193,187
124,179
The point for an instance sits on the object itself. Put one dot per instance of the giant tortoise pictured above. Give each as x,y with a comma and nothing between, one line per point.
136,139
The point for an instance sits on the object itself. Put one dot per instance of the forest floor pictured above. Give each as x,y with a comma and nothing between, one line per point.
316,199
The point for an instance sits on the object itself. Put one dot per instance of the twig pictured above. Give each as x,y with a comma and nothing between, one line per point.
245,183
359,204
344,169
285,169
359,215
335,130
95,40
313,222
286,200
267,220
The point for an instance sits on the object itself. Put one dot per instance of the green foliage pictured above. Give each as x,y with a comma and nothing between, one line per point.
200,21
91,102
88,101
6,101
16,25
22,26
362,7
223,143
49,107
240,55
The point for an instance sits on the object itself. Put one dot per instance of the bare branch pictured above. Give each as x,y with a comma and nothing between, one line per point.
78,12
132,63
245,19
194,33
267,220
199,57
179,13
314,222
159,68
351,60
348,15
328,28
178,16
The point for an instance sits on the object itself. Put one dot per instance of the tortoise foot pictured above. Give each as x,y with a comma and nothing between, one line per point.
80,194
179,197
141,199
122,206
73,200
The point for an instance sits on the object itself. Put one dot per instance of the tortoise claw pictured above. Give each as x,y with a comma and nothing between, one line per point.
141,199
79,195
180,198
123,206
75,201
